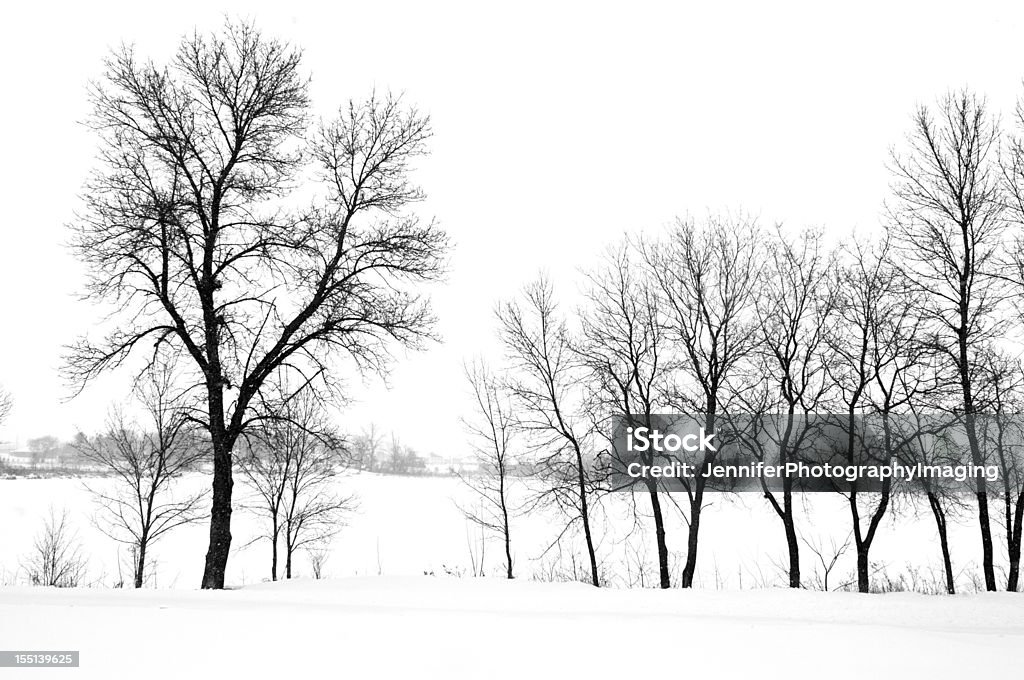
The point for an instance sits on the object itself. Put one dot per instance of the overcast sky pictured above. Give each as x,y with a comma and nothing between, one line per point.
557,130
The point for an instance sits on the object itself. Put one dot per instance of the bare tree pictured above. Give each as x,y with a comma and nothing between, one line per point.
143,502
880,367
1013,179
192,229
293,461
544,383
1001,430
367,447
948,220
315,513
56,558
43,449
929,441
491,433
317,559
708,277
402,459
6,405
264,468
625,349
828,556
790,381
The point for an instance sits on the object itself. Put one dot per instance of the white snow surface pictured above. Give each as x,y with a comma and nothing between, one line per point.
379,616
426,627
408,526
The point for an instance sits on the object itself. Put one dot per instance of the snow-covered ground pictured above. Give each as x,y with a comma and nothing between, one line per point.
423,627
393,609
412,526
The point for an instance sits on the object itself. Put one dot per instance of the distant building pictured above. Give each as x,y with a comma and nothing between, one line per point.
29,459
449,465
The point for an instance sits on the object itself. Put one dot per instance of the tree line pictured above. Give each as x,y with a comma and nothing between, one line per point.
915,321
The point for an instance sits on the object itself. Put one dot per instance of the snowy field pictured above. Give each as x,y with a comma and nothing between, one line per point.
418,627
413,526
394,607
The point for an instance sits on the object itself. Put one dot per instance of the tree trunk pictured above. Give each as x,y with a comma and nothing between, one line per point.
505,526
508,539
940,525
659,530
785,511
140,566
508,555
863,576
864,541
987,552
273,550
585,513
1014,544
690,568
220,513
863,546
966,387
788,523
696,504
791,539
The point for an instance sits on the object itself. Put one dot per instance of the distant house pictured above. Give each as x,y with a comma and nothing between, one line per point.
29,459
449,465
11,456
436,465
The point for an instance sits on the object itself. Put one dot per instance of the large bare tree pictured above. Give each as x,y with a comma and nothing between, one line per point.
708,276
1013,476
194,230
947,218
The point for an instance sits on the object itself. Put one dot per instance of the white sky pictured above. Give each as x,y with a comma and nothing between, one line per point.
557,129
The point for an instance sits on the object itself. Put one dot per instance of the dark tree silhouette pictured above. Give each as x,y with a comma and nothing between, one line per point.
1001,430
193,230
1013,475
708,277
545,380
948,223
625,349
795,312
880,366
